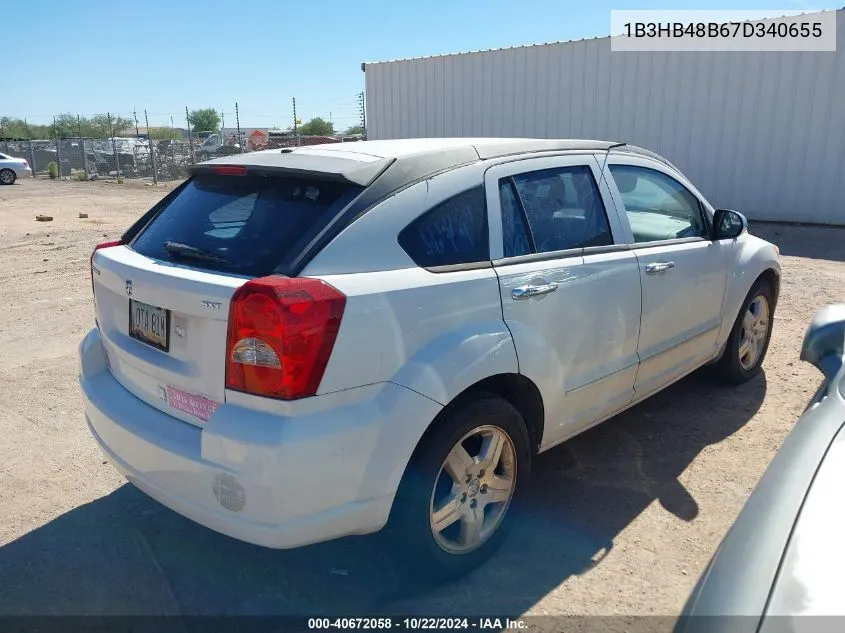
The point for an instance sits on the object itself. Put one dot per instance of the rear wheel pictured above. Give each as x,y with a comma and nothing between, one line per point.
457,498
749,339
7,177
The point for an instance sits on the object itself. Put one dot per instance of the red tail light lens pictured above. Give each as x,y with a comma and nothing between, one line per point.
25,164
281,334
99,246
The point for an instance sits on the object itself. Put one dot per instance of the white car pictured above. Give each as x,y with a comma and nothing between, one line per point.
12,168
303,344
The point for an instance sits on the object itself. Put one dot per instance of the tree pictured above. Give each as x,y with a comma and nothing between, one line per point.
164,133
99,126
13,128
204,120
316,127
355,129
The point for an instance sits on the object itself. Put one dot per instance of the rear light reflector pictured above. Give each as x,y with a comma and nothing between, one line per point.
281,334
229,170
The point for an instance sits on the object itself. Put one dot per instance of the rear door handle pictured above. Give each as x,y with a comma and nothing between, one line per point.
526,292
658,267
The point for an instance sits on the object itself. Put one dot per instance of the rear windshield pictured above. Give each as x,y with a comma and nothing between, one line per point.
245,225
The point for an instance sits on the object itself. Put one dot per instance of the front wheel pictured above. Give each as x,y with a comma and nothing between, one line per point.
7,177
457,498
749,339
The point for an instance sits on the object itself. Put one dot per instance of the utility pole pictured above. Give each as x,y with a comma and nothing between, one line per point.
295,127
138,134
150,145
238,127
363,112
190,136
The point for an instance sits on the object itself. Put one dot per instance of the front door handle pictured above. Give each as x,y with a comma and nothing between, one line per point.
526,292
658,267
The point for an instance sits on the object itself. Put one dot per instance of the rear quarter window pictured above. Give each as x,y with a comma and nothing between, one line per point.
453,232
240,224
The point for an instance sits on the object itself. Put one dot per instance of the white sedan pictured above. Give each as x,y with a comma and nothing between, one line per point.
13,168
301,344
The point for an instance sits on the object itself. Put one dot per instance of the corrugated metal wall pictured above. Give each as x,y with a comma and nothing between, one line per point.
763,133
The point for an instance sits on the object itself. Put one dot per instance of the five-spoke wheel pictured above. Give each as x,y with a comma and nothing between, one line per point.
473,489
462,487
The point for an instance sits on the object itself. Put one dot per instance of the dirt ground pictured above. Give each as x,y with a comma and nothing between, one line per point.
622,519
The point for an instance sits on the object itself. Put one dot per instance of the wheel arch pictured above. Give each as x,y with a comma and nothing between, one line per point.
518,390
772,276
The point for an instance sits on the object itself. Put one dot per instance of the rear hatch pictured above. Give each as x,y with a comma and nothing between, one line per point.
162,300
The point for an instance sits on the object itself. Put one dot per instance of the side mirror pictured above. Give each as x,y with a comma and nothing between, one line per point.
728,224
824,341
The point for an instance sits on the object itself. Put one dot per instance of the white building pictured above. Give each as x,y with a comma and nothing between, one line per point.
760,132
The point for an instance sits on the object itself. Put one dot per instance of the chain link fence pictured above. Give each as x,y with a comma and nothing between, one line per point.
128,157
122,151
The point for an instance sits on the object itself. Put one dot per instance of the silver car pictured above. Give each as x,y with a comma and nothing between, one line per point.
13,168
784,556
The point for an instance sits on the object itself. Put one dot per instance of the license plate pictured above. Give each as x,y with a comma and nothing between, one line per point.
149,324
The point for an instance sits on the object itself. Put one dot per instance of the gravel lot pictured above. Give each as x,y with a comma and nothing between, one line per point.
622,521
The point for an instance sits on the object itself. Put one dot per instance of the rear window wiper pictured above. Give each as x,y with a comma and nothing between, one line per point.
192,252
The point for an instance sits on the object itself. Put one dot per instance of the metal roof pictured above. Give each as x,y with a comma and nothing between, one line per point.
554,43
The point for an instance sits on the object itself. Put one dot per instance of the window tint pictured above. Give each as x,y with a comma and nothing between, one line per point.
514,231
240,224
658,207
453,232
563,208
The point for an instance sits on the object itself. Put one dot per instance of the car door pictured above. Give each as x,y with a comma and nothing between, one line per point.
683,273
570,291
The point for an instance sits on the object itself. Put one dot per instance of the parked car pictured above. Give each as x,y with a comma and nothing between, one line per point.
784,556
12,168
301,344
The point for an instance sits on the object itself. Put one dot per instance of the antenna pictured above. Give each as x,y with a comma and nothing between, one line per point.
607,155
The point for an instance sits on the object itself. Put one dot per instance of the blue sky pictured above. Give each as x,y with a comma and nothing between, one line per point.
91,56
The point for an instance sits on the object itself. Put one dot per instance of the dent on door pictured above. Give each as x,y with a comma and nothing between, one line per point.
577,342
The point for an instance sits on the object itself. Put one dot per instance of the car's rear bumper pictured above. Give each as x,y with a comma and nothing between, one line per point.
23,172
262,478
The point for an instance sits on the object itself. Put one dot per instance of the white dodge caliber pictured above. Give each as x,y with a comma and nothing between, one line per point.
297,345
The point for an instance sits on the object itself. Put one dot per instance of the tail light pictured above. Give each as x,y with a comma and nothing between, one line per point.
281,334
99,246
229,170
25,164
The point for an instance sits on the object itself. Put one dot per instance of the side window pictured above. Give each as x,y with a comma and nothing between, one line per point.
658,206
562,206
453,232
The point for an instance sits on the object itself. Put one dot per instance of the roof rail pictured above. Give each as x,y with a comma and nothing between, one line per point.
635,149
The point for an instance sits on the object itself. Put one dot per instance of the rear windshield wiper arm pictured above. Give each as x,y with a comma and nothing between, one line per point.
192,252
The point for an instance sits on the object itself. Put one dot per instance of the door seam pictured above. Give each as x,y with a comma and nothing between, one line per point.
502,309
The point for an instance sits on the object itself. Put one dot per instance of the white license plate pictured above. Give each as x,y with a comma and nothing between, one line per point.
149,324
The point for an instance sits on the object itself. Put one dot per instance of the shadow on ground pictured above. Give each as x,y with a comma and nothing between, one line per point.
125,554
813,241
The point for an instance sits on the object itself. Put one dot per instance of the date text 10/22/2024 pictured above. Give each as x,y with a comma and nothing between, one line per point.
418,624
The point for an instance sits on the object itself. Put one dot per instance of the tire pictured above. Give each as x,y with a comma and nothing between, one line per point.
748,342
463,543
7,177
